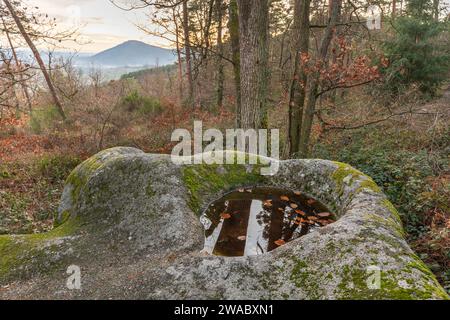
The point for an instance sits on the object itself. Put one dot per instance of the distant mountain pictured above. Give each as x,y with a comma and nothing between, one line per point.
132,54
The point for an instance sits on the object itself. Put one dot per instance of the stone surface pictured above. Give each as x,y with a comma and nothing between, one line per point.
130,221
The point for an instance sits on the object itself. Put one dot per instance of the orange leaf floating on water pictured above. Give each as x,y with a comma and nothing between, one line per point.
279,242
303,220
284,198
324,214
225,215
300,212
267,203
297,193
241,238
294,205
311,201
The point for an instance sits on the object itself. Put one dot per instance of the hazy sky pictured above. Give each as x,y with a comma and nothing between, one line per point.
101,23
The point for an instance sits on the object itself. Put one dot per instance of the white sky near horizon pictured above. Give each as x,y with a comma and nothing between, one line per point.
101,25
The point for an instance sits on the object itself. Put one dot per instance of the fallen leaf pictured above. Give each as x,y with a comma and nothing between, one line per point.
241,190
241,238
284,198
297,193
267,203
311,201
294,205
300,212
225,215
324,214
249,190
280,209
279,242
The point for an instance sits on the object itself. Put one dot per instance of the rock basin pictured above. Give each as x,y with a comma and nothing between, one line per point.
130,221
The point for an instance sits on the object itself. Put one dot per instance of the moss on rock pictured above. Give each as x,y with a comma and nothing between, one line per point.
125,212
387,204
23,250
80,176
347,174
394,285
202,179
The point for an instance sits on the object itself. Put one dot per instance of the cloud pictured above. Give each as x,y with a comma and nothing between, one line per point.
99,21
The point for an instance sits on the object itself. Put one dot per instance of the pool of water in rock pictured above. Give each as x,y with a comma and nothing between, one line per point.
253,221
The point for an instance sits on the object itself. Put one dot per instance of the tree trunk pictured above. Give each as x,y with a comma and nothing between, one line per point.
10,71
38,58
233,27
314,79
220,72
16,60
180,64
299,78
187,49
207,28
436,9
253,36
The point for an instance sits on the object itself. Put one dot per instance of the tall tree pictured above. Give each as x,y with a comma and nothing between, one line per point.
253,37
187,52
177,45
417,54
436,10
37,56
313,81
220,66
233,27
298,81
18,65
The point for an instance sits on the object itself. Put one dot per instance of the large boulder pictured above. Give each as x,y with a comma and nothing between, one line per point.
130,221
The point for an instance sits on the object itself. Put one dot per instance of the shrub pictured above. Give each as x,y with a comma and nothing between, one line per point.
57,167
402,174
43,118
134,102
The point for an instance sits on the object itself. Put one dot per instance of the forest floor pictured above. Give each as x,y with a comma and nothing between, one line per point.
408,159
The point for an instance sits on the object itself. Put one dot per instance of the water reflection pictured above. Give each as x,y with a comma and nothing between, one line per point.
254,221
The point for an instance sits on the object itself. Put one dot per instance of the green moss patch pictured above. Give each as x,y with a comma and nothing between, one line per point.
344,170
21,250
387,204
389,223
354,286
206,179
80,176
